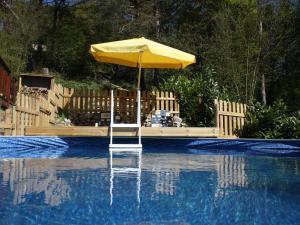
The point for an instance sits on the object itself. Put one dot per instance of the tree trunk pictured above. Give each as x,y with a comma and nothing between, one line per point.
7,6
157,21
157,34
263,89
263,80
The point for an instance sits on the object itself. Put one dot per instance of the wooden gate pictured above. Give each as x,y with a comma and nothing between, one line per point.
230,116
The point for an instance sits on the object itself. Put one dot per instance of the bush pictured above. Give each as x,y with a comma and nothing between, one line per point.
196,93
270,122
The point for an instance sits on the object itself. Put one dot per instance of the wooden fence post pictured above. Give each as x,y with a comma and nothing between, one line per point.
238,118
22,127
37,109
8,121
225,119
14,121
216,102
230,133
221,105
234,118
244,114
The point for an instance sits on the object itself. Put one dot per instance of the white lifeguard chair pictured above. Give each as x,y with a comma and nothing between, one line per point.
125,147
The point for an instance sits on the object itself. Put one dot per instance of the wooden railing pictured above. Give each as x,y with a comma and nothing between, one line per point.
230,116
31,110
6,125
85,106
24,113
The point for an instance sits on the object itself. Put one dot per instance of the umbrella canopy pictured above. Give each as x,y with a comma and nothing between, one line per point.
142,53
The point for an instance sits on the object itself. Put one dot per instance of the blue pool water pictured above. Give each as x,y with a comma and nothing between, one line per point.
176,184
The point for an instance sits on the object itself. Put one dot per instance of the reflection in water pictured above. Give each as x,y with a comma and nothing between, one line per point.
166,180
25,176
128,164
231,172
157,187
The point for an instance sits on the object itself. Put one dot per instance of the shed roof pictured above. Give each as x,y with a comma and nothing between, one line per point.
2,62
36,75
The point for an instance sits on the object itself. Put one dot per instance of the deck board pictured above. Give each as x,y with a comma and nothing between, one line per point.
104,131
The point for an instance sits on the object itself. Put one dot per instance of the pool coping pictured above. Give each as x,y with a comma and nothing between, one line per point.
210,132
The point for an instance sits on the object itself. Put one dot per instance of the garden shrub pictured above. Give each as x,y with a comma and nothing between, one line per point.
270,122
196,93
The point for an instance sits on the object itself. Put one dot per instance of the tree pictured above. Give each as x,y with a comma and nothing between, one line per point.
252,45
19,32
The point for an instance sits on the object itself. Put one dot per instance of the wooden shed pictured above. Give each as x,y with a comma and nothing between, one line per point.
8,86
36,81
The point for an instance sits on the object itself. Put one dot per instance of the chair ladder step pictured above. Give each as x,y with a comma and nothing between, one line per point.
125,125
125,170
125,147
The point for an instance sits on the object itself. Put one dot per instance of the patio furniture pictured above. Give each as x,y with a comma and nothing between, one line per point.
139,53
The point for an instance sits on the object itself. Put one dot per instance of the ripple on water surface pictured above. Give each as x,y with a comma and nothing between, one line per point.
78,186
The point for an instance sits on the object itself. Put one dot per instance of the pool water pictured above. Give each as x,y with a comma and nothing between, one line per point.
174,185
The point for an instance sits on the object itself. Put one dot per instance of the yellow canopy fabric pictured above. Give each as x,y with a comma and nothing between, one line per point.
150,54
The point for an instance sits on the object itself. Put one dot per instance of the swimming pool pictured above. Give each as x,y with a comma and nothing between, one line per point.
179,182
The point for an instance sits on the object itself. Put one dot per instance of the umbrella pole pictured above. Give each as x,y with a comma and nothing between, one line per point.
140,72
139,97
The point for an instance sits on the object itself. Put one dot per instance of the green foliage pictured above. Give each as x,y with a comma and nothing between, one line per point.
233,49
196,93
84,84
224,35
18,33
62,115
270,122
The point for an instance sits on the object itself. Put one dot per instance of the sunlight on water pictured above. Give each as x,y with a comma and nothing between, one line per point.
152,188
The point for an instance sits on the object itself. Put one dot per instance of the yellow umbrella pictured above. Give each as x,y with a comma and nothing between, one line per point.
142,53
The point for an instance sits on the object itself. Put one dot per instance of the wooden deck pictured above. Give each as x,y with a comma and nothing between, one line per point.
104,131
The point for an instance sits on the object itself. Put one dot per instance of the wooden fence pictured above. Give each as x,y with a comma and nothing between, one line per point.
230,116
31,110
85,106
